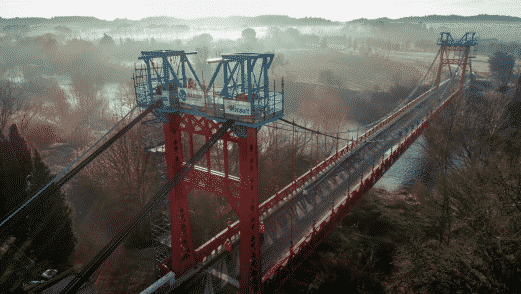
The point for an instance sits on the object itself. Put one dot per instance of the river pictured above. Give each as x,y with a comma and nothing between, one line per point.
410,167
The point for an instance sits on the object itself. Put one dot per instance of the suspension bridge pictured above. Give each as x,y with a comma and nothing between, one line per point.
259,251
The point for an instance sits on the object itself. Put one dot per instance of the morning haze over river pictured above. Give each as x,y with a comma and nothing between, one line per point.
301,63
73,76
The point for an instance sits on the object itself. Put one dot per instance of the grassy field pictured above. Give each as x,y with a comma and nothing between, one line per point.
358,72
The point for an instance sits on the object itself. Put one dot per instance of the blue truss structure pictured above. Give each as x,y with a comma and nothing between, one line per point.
243,96
467,40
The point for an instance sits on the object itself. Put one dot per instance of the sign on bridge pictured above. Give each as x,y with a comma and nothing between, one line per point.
235,107
191,97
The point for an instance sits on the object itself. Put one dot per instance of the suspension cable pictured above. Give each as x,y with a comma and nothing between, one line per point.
401,104
305,129
157,200
410,95
345,132
49,190
309,130
341,162
64,170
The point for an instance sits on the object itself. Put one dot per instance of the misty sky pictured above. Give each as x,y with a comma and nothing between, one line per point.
328,9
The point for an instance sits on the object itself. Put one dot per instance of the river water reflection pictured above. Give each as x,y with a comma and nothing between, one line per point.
410,167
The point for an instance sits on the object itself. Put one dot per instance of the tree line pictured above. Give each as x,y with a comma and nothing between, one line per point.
45,237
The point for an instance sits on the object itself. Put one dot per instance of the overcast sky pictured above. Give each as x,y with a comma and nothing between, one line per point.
334,10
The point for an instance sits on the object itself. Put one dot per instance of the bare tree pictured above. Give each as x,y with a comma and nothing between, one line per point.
330,78
10,103
27,113
279,62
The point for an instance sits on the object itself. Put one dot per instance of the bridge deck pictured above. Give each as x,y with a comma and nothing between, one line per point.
315,199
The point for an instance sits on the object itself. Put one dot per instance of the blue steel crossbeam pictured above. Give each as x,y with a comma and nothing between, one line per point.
244,95
467,40
448,44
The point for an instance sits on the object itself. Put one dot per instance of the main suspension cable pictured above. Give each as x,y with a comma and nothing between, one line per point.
310,130
49,190
157,200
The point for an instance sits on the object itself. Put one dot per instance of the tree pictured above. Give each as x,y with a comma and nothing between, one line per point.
64,31
492,48
10,102
126,173
17,30
423,44
473,212
249,40
363,49
51,233
203,40
106,40
406,45
501,66
310,39
177,43
279,62
91,107
514,113
273,37
359,252
15,166
204,70
46,233
293,36
323,42
328,77
249,34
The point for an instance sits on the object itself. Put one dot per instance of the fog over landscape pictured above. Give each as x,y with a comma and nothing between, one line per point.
66,79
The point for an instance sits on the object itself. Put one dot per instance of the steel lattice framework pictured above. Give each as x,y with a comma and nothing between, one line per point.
244,94
448,44
242,195
193,108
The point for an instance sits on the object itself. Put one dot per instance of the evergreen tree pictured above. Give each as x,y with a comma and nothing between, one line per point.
50,227
45,232
107,40
15,166
21,150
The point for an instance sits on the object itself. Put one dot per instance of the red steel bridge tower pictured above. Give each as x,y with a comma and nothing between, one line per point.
193,108
448,45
